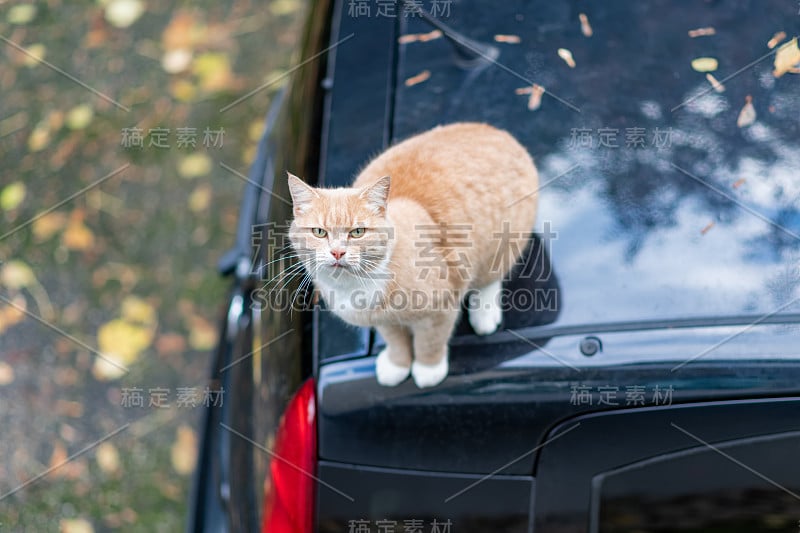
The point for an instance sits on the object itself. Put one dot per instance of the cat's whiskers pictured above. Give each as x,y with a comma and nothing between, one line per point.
283,273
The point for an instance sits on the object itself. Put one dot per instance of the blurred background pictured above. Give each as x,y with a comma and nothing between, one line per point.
124,141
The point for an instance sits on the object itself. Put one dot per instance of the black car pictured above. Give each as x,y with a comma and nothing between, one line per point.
647,374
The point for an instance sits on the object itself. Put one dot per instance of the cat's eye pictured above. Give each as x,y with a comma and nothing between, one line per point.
319,232
358,232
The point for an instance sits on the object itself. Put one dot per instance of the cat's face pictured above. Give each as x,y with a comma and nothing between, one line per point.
341,233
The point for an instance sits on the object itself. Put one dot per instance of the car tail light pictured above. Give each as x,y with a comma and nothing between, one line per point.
289,498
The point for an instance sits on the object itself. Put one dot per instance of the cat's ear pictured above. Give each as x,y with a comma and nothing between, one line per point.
377,194
302,194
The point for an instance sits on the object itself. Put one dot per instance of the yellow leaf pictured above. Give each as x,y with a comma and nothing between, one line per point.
77,236
122,341
213,70
184,450
17,275
194,165
137,310
182,90
79,117
200,198
123,13
6,373
202,335
107,458
39,137
12,195
21,14
75,525
48,225
36,53
786,58
705,64
284,7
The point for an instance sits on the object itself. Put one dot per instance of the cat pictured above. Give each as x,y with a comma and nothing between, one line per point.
440,214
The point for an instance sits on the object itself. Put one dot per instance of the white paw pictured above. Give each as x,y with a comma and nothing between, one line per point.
429,375
485,313
389,374
485,321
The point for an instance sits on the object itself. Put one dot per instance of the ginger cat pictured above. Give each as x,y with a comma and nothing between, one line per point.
442,214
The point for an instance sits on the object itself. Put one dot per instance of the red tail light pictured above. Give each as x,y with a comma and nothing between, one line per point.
289,498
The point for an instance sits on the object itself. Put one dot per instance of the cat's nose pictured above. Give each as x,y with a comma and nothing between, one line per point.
337,254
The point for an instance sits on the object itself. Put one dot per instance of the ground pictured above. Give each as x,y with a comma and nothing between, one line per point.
124,139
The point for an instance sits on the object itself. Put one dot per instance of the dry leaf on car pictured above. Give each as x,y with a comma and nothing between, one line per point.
566,55
787,58
586,28
748,113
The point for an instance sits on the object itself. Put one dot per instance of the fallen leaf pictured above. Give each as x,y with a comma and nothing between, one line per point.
108,368
12,196
738,183
177,60
705,64
183,90
213,70
75,525
21,14
136,310
36,53
202,334
181,32
701,32
194,165
48,225
122,341
284,7
566,55
200,198
776,39
419,78
107,458
535,100
419,37
786,58
707,228
79,117
586,28
60,464
714,83
184,450
68,408
6,373
510,39
17,275
77,236
748,113
39,137
11,315
123,13
170,343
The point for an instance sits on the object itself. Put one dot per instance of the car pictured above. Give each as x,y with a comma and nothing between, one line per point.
647,373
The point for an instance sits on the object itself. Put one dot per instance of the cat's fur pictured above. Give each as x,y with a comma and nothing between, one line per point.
445,212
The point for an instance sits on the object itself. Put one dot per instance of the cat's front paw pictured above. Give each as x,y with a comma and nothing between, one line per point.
388,373
486,319
429,375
